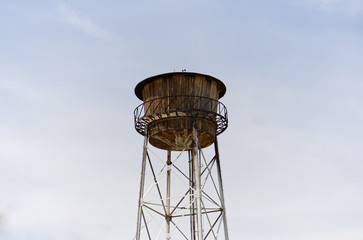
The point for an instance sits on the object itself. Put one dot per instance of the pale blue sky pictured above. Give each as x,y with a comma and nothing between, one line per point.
291,158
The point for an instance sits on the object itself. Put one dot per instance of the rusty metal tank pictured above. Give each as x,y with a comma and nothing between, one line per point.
174,103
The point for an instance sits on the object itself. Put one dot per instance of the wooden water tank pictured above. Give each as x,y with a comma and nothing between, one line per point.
173,103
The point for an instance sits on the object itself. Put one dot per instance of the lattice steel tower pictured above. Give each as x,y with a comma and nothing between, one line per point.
181,192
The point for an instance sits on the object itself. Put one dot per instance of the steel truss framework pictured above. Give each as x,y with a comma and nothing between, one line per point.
181,194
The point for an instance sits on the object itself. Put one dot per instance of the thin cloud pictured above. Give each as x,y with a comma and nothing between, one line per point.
351,6
80,21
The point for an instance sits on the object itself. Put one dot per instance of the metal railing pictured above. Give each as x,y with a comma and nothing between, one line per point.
181,106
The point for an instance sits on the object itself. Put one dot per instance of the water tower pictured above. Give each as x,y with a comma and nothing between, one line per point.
181,191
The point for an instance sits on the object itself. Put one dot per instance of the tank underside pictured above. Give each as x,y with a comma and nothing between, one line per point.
176,134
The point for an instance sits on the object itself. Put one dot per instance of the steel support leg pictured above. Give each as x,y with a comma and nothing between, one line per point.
197,185
168,185
191,197
221,189
141,194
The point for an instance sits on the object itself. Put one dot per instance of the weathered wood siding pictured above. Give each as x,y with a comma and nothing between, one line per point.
172,131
